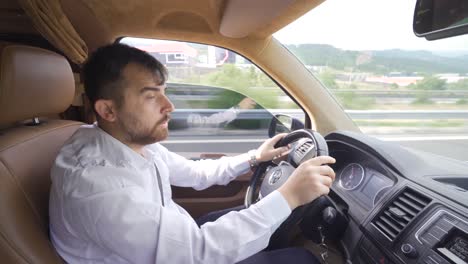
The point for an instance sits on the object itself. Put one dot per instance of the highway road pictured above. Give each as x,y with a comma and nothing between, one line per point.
181,114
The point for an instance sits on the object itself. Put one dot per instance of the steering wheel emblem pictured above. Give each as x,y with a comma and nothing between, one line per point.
275,176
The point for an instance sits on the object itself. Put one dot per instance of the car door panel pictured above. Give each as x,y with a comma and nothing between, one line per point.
214,198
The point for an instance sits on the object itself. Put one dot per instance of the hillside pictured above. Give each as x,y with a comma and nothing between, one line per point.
380,62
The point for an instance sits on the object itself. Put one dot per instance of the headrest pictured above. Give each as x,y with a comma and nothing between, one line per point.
33,82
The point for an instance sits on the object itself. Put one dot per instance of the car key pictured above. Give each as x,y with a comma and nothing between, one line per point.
323,246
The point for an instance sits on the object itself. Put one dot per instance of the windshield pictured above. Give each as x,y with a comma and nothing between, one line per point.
393,85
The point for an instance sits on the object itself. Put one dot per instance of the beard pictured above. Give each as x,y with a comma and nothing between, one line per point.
138,132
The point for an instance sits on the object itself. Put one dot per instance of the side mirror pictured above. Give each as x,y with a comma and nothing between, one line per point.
283,124
436,19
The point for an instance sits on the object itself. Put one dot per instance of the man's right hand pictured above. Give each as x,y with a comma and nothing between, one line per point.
309,181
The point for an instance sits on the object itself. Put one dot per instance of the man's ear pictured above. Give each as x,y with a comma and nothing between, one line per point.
106,109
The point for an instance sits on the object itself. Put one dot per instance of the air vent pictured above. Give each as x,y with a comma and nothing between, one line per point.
304,148
399,213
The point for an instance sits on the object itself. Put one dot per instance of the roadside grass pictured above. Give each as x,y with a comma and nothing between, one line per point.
413,123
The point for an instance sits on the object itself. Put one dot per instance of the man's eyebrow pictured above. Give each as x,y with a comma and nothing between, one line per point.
151,88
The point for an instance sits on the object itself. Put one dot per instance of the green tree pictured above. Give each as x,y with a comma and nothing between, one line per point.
431,83
252,76
264,80
229,76
328,79
460,85
422,98
244,81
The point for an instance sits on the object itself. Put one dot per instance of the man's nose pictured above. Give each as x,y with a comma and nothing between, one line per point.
168,106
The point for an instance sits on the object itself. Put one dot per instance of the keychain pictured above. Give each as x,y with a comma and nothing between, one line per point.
323,246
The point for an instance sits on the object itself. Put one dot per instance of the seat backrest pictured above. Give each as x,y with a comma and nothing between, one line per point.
33,83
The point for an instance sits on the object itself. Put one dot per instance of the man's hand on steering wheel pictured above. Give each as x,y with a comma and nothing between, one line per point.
312,176
309,181
296,165
267,150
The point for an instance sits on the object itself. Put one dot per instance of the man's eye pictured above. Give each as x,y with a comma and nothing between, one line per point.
150,97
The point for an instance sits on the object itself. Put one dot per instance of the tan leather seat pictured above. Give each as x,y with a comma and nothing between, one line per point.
33,82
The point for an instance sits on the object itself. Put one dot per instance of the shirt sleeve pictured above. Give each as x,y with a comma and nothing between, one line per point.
202,174
127,224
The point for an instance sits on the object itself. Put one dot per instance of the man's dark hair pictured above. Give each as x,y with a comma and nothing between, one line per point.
102,72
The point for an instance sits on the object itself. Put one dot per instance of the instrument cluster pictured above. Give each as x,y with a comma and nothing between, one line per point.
364,183
360,176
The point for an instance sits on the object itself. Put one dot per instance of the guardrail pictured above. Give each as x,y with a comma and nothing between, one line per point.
182,114
404,93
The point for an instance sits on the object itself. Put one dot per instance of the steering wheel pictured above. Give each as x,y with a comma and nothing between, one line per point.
268,177
307,144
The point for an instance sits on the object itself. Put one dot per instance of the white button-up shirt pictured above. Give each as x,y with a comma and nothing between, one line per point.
109,205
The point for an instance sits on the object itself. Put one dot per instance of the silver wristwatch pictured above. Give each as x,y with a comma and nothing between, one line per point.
252,158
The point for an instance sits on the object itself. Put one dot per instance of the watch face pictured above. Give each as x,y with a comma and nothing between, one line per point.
253,158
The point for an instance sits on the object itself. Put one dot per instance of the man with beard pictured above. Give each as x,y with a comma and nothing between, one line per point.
110,198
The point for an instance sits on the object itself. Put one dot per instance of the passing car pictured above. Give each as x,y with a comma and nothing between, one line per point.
346,78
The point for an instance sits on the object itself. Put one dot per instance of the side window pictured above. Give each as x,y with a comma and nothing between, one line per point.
209,110
216,92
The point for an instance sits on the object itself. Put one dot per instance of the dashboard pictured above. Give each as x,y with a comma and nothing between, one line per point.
361,178
399,209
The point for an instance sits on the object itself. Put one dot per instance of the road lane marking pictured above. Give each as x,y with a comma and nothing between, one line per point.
428,138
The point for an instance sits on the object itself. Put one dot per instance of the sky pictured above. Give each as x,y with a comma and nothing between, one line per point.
355,25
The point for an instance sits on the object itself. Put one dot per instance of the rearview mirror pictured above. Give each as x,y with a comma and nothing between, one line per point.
283,124
436,19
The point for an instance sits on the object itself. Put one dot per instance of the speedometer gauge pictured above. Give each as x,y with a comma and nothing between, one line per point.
351,176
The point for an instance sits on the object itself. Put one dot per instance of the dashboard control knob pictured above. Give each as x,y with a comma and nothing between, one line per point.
409,251
329,215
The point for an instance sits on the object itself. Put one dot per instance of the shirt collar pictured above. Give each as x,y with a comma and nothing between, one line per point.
123,154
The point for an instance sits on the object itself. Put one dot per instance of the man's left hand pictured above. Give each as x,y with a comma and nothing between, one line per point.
267,151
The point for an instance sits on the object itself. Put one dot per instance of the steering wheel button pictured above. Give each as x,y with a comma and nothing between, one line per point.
409,251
